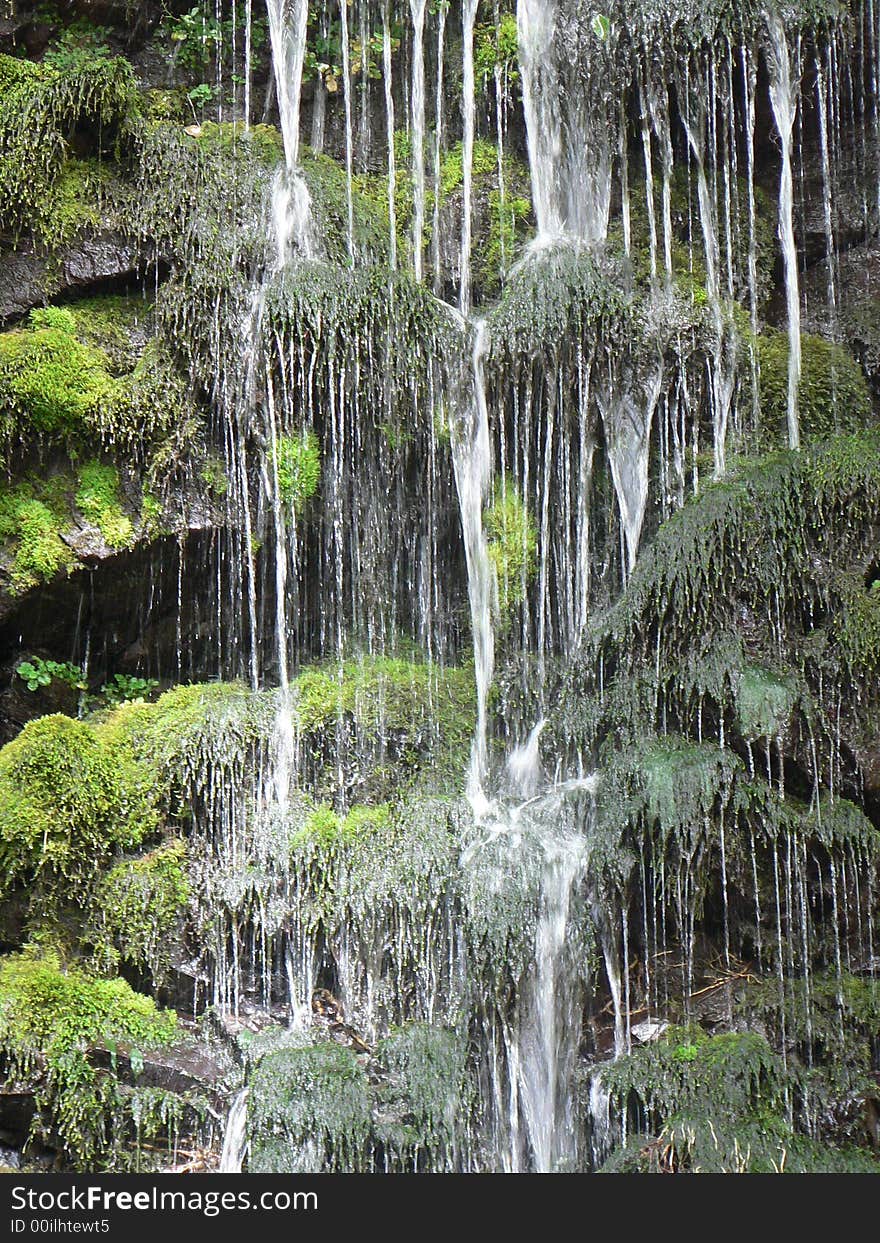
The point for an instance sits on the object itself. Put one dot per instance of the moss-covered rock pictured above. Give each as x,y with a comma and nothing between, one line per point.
42,109
137,908
833,394
67,801
52,1016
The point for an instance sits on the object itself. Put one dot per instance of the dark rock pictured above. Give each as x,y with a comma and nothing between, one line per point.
187,1067
28,278
16,1116
857,322
852,194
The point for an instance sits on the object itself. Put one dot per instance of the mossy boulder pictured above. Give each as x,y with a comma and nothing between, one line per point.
53,1017
67,801
833,394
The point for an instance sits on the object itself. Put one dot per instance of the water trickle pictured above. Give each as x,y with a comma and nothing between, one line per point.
784,99
291,204
235,1136
472,457
570,120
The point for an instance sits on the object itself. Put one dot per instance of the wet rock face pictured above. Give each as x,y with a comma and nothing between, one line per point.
29,279
854,278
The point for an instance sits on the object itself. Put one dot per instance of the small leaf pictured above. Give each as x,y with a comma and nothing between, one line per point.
601,26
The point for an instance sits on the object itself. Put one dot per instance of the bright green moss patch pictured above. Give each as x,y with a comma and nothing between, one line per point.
138,905
97,498
32,518
67,800
110,323
298,464
327,829
47,1008
386,691
49,381
51,1016
513,544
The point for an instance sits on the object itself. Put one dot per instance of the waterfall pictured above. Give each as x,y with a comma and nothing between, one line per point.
291,206
547,1035
235,1135
521,769
784,99
418,133
472,458
569,120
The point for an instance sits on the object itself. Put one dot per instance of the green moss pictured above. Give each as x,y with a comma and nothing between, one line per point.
764,704
485,162
97,497
213,475
328,186
67,800
385,691
309,1110
513,544
425,1095
152,511
32,518
496,47
137,908
40,110
833,393
326,829
52,1015
682,780
113,323
298,464
560,294
264,142
49,381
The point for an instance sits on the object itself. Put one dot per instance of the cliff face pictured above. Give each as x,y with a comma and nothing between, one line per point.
440,585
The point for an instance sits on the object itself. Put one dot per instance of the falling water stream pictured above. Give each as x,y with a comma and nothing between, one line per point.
528,832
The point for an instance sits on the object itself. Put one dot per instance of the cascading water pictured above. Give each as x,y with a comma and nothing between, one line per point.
291,206
569,119
783,96
544,778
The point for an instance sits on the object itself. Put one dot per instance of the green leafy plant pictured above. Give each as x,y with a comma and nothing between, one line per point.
600,26
125,689
78,48
39,673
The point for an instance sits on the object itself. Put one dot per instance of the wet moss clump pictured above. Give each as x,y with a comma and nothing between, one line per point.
53,1018
137,909
424,1096
33,516
41,110
513,545
68,799
833,394
389,693
309,1111
51,383
555,294
97,498
298,468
